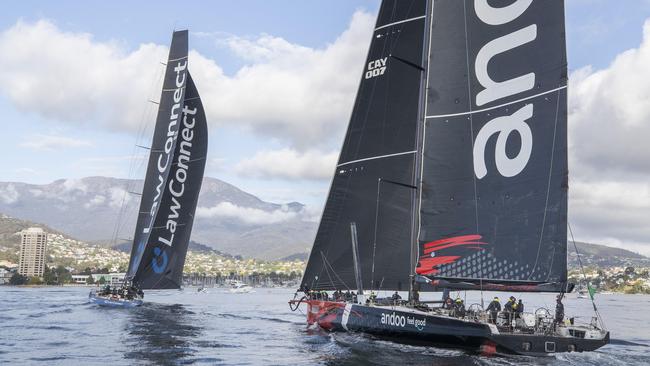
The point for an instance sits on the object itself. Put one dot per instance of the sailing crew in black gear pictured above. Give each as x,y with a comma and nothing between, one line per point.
509,309
493,309
520,309
559,310
396,297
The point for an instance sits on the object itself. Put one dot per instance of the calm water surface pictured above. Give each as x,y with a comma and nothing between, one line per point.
57,326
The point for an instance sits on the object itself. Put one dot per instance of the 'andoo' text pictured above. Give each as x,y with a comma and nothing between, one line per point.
496,90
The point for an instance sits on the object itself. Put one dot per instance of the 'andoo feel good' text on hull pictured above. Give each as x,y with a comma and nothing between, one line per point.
171,187
453,176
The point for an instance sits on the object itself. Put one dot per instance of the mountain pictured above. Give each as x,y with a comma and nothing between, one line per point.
103,210
596,255
11,226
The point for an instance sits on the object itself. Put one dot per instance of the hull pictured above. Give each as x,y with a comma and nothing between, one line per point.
406,325
113,302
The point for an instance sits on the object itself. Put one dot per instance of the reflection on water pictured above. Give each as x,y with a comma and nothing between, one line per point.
161,334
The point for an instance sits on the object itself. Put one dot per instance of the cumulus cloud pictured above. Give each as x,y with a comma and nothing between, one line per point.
288,91
51,143
247,215
97,200
609,152
289,164
72,185
118,197
291,92
9,194
72,78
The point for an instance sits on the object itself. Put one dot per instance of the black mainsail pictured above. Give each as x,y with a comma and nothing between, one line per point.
373,185
454,166
493,208
173,178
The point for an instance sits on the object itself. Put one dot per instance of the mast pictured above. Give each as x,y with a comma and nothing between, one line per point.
417,174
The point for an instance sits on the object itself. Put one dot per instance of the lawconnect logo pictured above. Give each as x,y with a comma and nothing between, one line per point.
159,261
401,321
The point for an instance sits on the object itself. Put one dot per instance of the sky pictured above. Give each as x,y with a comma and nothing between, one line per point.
278,80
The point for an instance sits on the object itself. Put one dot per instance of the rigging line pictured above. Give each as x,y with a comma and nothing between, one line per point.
498,106
328,275
337,276
399,184
582,268
334,271
548,188
409,63
142,127
471,128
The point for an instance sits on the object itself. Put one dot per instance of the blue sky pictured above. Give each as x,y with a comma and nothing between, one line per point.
61,129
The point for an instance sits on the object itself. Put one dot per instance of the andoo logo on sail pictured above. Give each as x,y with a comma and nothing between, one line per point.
497,90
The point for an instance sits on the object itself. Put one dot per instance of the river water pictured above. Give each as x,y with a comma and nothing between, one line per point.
57,326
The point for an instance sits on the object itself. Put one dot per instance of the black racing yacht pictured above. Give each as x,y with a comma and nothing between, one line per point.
171,186
453,176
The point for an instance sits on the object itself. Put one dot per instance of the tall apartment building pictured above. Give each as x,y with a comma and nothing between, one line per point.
33,245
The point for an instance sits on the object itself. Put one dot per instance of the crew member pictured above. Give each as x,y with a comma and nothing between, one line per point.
493,309
459,308
520,309
396,297
559,310
449,304
509,308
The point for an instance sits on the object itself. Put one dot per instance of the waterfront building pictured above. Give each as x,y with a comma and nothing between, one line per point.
5,276
33,245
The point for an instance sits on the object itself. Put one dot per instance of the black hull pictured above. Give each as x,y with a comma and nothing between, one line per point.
417,328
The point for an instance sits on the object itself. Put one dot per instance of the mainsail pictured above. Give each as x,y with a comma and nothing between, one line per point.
373,185
456,150
173,178
493,209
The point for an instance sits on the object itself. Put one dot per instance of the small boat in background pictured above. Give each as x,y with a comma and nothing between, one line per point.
240,288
